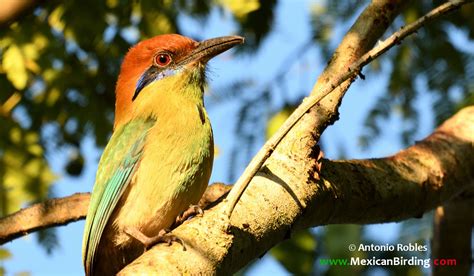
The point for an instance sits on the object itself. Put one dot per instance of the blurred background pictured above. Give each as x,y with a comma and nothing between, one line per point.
60,61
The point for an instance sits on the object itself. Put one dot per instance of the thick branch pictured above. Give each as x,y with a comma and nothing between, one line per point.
276,200
338,80
405,185
277,203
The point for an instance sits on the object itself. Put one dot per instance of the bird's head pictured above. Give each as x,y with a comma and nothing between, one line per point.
168,62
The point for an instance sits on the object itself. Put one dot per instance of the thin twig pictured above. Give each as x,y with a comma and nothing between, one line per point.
312,100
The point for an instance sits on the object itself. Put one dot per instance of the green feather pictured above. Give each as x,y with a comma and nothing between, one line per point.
116,168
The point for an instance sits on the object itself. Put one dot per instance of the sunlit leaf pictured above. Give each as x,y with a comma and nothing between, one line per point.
14,66
26,174
240,9
15,135
40,41
158,22
55,18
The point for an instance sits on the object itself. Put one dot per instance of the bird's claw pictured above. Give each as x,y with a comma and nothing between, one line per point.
148,242
193,210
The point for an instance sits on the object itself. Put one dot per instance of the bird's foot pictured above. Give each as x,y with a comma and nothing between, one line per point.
193,210
148,242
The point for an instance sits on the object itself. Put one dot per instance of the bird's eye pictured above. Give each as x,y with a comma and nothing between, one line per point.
162,60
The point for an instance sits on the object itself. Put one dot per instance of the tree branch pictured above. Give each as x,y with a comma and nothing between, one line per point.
53,212
339,79
61,211
402,186
278,203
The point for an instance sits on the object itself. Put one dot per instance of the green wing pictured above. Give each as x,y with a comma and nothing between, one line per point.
116,168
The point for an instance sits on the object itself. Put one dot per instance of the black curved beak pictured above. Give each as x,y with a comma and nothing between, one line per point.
210,48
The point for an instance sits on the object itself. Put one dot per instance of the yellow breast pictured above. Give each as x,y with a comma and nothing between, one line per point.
175,166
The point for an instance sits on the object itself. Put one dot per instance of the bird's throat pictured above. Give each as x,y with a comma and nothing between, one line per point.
171,93
150,75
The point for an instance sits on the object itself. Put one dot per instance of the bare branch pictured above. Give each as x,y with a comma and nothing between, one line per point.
53,212
315,98
61,211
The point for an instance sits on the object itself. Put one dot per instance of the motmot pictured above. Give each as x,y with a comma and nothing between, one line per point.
159,158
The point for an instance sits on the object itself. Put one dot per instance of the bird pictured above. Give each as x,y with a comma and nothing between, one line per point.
159,158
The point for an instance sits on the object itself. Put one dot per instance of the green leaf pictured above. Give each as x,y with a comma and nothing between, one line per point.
298,254
5,254
337,239
275,122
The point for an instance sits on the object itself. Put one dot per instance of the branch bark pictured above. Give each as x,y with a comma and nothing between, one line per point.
53,212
